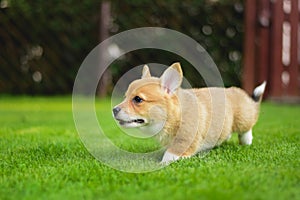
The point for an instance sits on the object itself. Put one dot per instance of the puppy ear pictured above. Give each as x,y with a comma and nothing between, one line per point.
146,72
171,78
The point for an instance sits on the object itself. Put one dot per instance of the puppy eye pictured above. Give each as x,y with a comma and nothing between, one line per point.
137,99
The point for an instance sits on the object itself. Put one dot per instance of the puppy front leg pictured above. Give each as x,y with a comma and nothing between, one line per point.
180,148
169,157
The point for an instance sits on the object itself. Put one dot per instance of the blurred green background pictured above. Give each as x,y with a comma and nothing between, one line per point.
43,43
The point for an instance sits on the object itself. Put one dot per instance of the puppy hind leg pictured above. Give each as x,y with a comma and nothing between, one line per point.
246,138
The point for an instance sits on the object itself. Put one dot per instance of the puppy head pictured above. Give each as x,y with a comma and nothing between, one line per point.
149,101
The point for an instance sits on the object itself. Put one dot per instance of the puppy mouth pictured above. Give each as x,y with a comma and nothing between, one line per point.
138,121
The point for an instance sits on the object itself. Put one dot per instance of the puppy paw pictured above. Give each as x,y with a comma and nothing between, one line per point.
246,138
168,158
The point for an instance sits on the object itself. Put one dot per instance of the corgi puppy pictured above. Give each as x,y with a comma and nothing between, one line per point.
188,121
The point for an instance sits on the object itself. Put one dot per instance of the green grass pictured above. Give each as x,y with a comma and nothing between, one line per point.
42,157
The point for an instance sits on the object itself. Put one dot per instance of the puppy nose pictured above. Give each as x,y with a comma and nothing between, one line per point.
116,110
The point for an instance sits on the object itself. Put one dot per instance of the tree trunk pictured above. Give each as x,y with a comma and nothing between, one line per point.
105,81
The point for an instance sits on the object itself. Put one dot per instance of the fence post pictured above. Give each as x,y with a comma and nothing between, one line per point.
249,46
263,51
293,87
276,65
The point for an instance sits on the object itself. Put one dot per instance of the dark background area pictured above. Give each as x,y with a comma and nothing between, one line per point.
43,43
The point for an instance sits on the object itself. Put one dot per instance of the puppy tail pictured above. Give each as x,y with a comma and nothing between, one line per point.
258,92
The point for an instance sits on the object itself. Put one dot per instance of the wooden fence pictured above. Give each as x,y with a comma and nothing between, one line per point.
272,48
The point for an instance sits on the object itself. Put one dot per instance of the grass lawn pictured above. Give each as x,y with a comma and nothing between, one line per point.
42,157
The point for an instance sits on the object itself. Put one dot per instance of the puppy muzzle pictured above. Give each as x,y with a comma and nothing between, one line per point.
116,110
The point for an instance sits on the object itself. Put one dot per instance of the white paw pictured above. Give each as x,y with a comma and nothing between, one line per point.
169,157
246,138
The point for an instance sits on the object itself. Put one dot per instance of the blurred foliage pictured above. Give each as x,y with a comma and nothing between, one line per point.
44,42
216,25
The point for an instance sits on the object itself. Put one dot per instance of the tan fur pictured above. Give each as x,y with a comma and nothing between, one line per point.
193,122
